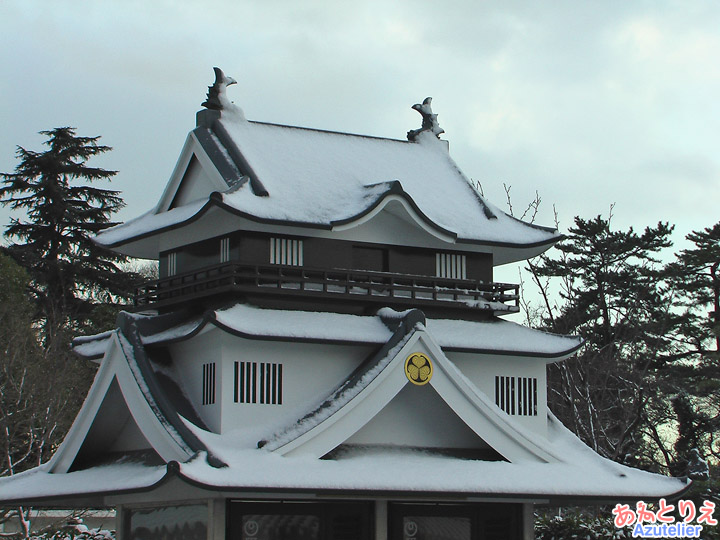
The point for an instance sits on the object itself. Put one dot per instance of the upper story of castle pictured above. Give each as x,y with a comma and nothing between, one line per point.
283,215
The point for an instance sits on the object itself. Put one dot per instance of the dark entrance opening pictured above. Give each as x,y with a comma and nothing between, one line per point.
455,522
285,520
366,258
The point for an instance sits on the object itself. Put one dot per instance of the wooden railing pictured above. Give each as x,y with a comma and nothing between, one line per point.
380,287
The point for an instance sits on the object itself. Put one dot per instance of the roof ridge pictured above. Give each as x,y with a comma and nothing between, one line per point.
330,131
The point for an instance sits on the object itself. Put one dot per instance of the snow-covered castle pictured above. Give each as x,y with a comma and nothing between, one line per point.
323,355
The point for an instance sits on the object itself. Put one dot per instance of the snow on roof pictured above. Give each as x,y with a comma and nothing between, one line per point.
39,484
321,178
498,336
302,325
359,469
582,473
492,337
92,346
379,380
482,336
148,222
347,391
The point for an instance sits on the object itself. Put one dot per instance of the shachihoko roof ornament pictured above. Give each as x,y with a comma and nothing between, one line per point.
429,120
216,95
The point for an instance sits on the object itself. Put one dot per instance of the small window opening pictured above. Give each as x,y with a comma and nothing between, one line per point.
208,384
172,263
258,382
286,251
225,249
451,265
517,395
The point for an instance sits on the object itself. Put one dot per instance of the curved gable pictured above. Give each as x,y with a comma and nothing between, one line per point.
116,392
398,202
354,406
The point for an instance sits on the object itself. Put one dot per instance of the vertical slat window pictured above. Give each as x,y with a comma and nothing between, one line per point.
508,381
224,250
286,251
258,382
512,395
516,395
268,392
172,263
236,381
208,384
252,378
262,383
273,385
451,265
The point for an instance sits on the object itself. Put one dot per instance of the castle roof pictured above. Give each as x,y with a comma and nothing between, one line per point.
276,174
495,336
287,458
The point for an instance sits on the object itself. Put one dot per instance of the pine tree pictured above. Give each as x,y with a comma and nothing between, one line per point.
698,273
613,296
70,275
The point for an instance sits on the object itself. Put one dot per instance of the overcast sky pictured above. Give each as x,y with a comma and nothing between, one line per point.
590,103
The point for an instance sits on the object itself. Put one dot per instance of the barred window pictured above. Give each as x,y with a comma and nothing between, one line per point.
451,265
224,249
258,382
286,251
516,395
208,384
172,263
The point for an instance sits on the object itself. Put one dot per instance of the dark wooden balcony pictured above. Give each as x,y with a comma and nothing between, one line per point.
306,284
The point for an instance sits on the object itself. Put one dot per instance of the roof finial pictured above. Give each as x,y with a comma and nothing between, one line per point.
216,96
429,120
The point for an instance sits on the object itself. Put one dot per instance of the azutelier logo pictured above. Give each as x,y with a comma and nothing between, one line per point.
661,523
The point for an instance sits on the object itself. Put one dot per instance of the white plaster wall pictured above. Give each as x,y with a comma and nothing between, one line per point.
213,223
418,417
482,369
310,372
390,226
394,225
130,438
188,359
195,185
